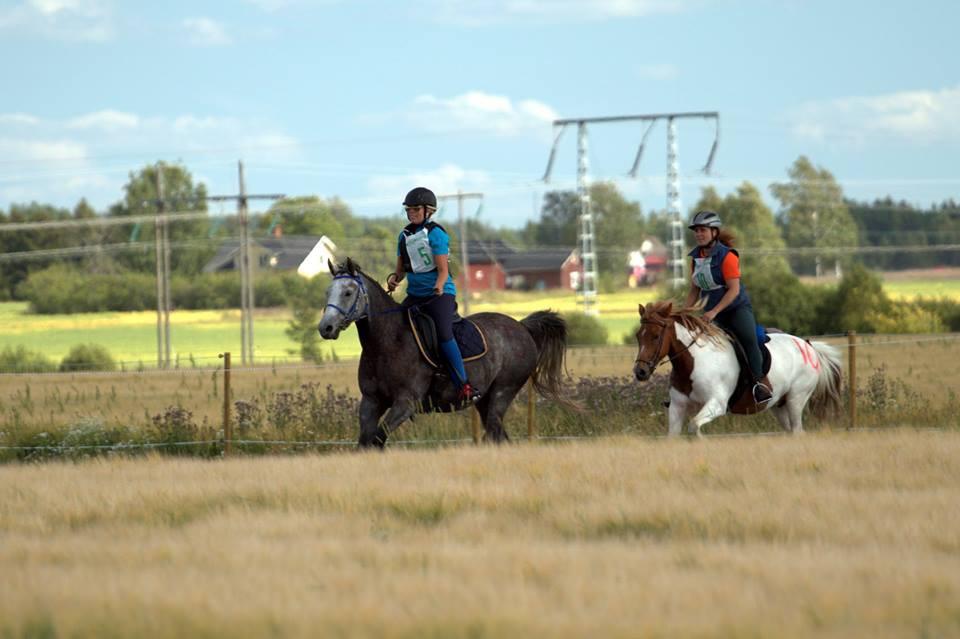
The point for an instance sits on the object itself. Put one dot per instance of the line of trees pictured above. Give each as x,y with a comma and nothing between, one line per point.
813,218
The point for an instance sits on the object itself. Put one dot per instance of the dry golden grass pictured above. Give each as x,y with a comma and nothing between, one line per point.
928,364
828,535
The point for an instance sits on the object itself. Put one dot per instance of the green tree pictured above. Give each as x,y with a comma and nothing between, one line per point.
15,271
559,220
309,215
814,215
618,224
305,297
744,214
189,251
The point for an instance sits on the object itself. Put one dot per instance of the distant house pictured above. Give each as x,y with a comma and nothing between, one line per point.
284,253
494,265
646,265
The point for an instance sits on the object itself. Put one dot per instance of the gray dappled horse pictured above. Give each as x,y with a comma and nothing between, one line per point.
394,377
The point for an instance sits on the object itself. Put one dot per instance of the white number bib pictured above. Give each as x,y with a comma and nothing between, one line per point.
702,275
418,248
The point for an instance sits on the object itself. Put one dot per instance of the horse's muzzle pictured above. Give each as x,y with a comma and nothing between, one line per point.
328,330
642,372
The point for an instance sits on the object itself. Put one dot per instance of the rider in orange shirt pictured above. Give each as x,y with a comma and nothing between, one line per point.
716,277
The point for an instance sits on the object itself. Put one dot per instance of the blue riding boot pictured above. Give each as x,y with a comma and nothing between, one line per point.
455,361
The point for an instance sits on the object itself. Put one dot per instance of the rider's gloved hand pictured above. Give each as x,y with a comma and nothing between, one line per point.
392,282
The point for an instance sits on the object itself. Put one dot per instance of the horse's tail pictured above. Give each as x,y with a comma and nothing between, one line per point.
826,396
549,331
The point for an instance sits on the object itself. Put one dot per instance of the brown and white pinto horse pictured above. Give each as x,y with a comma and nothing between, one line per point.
705,370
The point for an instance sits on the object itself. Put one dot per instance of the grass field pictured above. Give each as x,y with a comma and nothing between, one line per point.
910,379
199,336
826,535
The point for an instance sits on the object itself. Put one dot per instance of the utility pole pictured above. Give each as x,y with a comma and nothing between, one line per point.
586,235
162,333
465,260
247,302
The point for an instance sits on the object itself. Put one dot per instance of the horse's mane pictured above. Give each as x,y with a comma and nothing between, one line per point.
350,267
688,317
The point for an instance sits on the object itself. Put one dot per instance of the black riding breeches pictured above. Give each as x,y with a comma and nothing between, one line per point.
740,322
441,309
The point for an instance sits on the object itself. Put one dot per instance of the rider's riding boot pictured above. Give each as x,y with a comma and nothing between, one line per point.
469,394
761,392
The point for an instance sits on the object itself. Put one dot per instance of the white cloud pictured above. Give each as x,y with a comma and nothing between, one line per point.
67,20
662,71
50,7
89,155
206,32
19,119
13,150
444,179
470,12
106,120
272,6
919,116
481,112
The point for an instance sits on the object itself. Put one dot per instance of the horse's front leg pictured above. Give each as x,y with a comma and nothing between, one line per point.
402,409
371,433
711,410
677,413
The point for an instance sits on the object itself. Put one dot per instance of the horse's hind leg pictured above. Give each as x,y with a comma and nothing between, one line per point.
493,406
782,413
794,409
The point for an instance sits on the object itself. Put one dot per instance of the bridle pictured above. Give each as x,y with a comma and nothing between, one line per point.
348,314
654,364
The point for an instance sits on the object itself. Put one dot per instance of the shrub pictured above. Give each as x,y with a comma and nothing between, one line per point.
584,330
906,318
858,298
61,289
88,357
23,360
947,309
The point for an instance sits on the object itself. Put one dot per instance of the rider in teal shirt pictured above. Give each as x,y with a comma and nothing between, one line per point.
423,251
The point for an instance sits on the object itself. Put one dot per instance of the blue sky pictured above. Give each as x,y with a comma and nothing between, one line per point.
366,99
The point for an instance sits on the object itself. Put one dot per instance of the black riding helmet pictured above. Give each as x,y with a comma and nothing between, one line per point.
420,196
705,218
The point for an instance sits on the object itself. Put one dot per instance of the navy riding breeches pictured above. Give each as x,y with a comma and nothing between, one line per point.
740,322
441,309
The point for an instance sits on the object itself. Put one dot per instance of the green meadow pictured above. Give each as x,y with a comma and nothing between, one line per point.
198,337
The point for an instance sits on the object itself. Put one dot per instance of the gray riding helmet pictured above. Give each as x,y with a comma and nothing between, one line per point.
705,218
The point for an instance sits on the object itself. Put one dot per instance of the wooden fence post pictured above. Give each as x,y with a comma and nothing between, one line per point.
475,421
852,375
531,411
227,426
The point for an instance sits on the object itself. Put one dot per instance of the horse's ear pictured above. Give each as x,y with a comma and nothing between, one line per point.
641,309
333,269
351,267
669,310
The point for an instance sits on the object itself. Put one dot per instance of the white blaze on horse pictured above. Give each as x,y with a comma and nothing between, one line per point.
705,382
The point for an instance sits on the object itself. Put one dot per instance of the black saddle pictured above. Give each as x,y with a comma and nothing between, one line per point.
470,339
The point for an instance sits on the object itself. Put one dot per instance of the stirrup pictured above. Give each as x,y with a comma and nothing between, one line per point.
469,394
762,393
